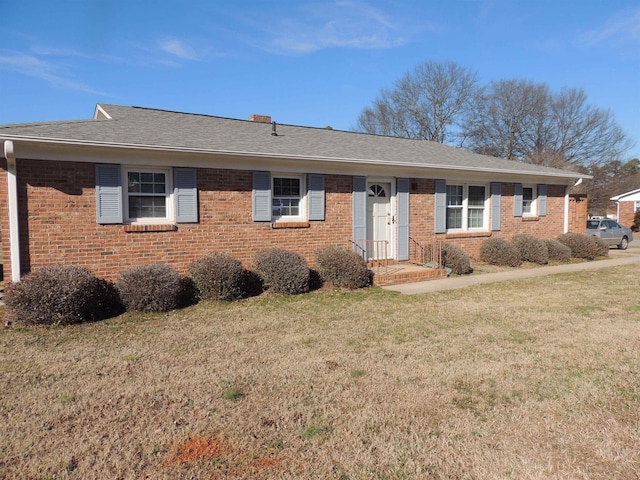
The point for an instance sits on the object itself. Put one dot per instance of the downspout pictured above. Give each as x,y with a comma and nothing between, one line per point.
566,209
14,235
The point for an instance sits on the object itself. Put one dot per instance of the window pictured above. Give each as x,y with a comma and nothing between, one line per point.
528,200
147,195
127,194
466,207
287,198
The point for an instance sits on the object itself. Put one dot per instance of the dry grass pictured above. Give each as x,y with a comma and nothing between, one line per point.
534,379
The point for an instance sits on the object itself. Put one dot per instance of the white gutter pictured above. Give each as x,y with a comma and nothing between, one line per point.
14,235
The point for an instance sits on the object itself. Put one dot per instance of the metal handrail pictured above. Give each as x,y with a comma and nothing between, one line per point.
375,253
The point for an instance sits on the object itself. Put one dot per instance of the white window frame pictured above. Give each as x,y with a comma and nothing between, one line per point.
169,198
302,215
534,201
465,207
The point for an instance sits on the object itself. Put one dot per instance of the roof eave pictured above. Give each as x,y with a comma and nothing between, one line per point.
344,160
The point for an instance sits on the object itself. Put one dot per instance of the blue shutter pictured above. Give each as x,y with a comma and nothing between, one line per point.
108,194
359,210
261,197
542,200
403,219
517,200
440,213
496,205
186,193
316,197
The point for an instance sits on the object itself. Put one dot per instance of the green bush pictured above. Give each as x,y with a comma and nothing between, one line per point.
558,251
580,244
150,288
531,249
498,251
456,259
60,295
602,247
343,268
282,271
218,276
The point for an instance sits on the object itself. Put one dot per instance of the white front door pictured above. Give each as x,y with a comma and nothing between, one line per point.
379,221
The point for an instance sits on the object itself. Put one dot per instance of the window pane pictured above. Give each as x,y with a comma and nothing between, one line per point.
286,187
285,207
147,207
454,195
454,218
476,217
133,181
476,196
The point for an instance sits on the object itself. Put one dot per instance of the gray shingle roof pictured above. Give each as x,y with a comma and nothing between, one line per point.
144,127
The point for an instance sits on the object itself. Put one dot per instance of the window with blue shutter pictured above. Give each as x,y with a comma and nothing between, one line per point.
316,197
403,219
108,194
261,197
186,193
440,213
496,205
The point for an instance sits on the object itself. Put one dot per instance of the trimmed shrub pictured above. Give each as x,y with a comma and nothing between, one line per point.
150,288
636,221
60,295
282,271
218,276
456,259
602,247
531,249
343,268
498,251
558,251
580,244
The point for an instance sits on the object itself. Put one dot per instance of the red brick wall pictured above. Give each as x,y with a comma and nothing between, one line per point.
627,213
578,213
58,222
422,222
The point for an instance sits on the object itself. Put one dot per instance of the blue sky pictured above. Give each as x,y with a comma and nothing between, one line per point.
314,63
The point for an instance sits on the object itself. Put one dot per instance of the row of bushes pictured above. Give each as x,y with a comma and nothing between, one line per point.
66,294
527,248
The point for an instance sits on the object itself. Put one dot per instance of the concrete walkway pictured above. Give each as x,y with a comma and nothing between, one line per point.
630,257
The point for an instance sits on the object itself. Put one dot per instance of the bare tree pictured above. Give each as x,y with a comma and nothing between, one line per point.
609,179
428,103
524,121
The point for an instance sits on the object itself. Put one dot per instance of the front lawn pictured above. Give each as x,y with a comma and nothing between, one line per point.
531,379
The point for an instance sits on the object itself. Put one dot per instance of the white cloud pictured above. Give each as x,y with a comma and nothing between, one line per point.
342,24
32,66
620,30
179,49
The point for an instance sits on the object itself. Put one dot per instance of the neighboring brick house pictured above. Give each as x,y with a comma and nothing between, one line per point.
627,204
135,185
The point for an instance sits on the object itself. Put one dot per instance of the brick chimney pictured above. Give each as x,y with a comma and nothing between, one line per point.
260,118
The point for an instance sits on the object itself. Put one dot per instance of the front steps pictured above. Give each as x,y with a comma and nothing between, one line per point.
399,273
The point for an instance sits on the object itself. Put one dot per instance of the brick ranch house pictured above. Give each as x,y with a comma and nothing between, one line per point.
136,186
627,204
